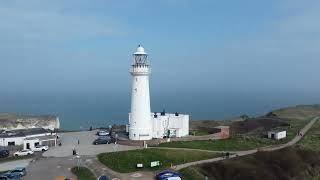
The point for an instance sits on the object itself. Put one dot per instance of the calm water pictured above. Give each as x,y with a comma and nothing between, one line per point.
80,110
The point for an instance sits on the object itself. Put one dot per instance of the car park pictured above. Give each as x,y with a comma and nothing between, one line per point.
24,152
40,148
168,175
4,153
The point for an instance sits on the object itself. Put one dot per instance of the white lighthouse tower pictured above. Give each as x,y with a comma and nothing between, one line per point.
140,123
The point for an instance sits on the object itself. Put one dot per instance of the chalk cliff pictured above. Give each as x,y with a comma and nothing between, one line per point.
9,121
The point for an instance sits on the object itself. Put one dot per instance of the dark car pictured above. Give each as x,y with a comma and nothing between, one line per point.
7,178
4,153
167,175
103,177
17,172
104,140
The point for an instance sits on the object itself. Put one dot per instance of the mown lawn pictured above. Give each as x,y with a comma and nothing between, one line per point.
237,143
126,161
83,173
311,140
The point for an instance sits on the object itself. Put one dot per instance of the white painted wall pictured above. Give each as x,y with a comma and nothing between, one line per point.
161,125
140,124
31,143
20,140
277,135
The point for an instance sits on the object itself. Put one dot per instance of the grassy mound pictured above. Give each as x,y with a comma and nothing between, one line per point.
290,163
126,161
298,112
83,173
312,139
236,143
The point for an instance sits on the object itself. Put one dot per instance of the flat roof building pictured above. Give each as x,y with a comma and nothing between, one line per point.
28,138
277,134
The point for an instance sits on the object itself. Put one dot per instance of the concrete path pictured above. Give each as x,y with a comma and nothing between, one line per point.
14,164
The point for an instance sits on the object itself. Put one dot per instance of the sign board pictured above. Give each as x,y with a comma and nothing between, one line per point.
155,163
139,165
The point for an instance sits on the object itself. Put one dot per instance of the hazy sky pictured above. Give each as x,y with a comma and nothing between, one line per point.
203,45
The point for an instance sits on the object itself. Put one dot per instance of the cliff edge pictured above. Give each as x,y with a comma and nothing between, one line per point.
10,121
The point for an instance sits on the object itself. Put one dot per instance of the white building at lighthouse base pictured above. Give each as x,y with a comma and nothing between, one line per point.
170,125
166,125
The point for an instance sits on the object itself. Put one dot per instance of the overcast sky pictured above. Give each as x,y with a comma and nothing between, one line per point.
207,45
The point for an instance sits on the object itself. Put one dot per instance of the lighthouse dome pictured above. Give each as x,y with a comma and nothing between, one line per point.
140,51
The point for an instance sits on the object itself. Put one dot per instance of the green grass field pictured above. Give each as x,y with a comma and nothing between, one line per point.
311,140
83,173
237,143
240,142
298,112
126,161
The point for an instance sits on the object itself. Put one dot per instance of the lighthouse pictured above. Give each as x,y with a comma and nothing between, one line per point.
140,123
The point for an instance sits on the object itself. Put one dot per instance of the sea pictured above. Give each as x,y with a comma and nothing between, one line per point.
80,110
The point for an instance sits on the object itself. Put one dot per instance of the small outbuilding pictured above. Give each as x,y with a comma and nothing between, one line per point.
277,134
222,131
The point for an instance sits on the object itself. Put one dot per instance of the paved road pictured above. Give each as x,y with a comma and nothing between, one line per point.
13,164
50,168
60,158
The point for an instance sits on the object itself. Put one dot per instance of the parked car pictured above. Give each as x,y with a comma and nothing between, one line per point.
168,175
7,178
40,148
17,172
103,177
106,140
4,153
103,133
63,178
23,152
